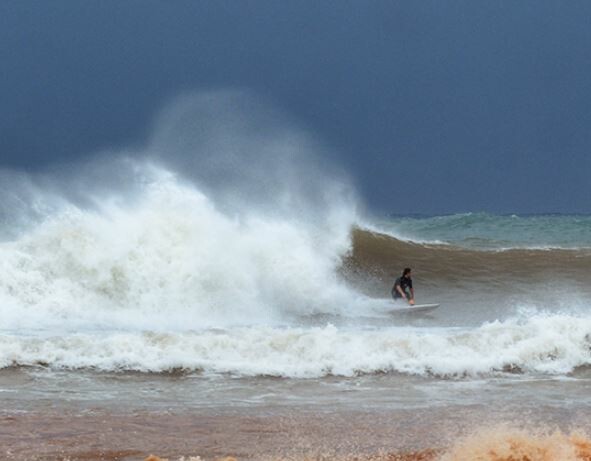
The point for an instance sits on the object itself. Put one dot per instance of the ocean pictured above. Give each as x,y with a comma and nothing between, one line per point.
164,321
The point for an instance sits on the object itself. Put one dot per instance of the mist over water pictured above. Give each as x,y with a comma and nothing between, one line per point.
250,157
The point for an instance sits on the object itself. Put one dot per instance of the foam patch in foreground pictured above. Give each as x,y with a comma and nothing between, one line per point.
496,444
508,444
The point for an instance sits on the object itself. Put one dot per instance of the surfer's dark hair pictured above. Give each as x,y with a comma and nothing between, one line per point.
406,271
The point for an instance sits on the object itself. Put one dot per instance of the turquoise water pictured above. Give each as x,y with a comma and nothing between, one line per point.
489,231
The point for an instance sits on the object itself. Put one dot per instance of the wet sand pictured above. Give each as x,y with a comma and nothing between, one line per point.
259,434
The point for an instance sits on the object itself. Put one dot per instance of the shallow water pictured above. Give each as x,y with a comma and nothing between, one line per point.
49,414
27,389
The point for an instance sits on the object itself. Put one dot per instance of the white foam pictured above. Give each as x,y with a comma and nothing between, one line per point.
170,260
552,345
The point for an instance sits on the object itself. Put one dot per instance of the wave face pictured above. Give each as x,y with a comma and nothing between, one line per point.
550,277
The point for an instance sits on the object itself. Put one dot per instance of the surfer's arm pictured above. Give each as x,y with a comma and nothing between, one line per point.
401,291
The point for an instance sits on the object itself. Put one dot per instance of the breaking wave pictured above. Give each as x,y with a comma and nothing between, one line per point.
546,345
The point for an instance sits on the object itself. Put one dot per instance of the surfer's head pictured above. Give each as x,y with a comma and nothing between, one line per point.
406,272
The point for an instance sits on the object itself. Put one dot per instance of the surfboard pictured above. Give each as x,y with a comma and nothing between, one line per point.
412,309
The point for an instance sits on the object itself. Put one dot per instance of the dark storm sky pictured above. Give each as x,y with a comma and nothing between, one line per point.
432,106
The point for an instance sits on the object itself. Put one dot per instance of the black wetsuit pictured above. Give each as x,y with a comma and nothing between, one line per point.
406,284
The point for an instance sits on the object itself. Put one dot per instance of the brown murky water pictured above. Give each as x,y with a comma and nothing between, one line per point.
52,433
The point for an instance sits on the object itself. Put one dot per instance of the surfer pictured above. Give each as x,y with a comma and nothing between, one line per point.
403,287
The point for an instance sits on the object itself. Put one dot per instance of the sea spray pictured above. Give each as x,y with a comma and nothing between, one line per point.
228,214
171,260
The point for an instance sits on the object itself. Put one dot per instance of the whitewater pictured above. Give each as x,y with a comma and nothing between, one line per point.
172,261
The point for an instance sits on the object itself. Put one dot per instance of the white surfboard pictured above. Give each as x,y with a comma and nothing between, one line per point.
406,309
